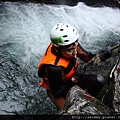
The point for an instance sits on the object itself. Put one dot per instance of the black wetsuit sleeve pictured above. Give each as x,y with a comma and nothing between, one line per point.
56,85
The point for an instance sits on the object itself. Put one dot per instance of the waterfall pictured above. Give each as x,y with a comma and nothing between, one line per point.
24,36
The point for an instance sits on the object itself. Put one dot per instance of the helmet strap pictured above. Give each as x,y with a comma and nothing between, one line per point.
58,50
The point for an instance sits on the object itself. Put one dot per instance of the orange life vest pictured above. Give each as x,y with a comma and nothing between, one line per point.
50,58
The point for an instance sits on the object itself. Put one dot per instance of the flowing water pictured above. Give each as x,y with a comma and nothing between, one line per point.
24,36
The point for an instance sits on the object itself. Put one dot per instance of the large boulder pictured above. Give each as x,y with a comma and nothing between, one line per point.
79,102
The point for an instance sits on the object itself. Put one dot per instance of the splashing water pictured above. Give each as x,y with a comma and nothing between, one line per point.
24,36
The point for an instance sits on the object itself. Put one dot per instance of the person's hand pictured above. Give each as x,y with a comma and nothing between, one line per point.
97,60
105,54
101,56
78,74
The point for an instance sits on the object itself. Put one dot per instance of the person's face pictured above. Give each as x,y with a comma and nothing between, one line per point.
71,51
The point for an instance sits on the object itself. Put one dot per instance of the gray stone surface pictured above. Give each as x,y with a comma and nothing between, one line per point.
79,102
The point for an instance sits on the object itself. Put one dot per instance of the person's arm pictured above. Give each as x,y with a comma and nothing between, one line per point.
83,54
56,85
96,58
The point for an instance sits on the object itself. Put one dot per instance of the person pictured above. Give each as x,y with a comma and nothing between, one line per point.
59,69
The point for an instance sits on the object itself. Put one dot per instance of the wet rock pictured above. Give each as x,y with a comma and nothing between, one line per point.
79,102
112,96
93,3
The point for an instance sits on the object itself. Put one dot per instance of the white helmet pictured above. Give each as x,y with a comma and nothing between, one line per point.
63,34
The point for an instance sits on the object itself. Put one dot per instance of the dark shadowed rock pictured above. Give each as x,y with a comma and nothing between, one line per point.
93,3
112,96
